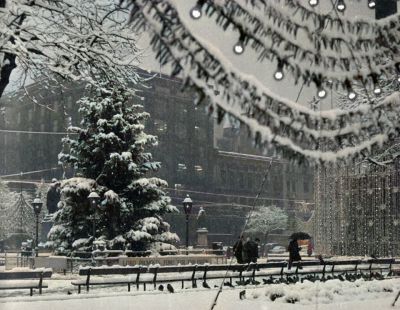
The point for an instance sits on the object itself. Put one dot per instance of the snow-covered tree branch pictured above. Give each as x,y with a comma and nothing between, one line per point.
266,219
272,120
78,40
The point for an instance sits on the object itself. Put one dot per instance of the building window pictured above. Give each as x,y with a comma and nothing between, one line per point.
250,181
223,176
241,180
306,187
160,125
30,115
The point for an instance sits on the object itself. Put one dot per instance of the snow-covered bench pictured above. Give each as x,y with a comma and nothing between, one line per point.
349,266
26,279
137,275
133,275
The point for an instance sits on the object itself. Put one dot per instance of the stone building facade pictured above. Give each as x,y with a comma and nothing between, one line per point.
219,169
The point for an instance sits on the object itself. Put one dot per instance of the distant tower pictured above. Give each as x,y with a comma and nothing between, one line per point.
385,8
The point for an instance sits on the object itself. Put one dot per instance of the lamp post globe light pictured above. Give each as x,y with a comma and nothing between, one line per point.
94,200
187,208
37,205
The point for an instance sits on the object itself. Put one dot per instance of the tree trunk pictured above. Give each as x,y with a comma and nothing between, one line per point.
9,60
265,244
6,70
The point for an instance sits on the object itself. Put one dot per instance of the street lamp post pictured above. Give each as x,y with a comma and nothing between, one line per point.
37,208
94,200
187,208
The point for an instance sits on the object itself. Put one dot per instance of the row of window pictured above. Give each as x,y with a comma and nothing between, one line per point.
250,180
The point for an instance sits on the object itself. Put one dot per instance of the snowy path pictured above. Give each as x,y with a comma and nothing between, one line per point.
331,295
186,301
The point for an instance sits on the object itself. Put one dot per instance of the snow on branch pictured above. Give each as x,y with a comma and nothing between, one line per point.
77,40
273,33
289,126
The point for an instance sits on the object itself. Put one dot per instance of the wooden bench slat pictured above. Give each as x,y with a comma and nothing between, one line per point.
21,286
15,275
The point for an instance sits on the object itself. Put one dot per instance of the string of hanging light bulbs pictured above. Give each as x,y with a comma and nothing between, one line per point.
196,11
239,48
341,5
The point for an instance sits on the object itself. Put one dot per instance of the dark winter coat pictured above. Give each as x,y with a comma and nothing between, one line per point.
249,252
53,197
237,251
246,252
294,251
253,251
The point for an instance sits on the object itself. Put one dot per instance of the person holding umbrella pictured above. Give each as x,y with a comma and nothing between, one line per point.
294,252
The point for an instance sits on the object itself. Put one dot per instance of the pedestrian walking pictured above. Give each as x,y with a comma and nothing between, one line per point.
254,250
238,250
294,252
246,252
310,248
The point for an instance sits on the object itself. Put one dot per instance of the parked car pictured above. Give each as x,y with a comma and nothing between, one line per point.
278,250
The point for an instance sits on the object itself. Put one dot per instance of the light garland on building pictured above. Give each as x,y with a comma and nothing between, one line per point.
362,200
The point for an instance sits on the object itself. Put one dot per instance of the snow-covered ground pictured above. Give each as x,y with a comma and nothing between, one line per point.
331,295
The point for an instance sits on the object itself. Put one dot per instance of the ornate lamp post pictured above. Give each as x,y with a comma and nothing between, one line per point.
187,208
37,208
94,200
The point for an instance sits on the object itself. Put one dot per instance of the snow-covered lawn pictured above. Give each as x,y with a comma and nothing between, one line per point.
331,295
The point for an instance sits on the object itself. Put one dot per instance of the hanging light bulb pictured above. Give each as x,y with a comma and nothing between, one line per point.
352,95
371,4
238,48
313,2
196,12
278,75
397,68
341,6
377,90
321,93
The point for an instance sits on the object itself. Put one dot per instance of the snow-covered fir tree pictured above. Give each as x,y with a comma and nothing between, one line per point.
265,219
110,153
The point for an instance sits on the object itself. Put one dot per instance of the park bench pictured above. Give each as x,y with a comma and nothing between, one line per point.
29,279
133,275
137,275
142,275
335,267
